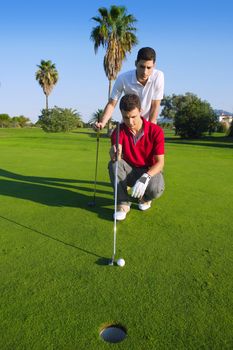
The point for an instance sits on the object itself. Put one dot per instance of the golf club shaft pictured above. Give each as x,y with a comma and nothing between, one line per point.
115,190
115,210
96,162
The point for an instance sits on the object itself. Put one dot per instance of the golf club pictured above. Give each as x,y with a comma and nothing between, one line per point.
92,203
115,192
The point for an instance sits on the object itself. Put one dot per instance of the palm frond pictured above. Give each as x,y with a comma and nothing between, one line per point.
116,32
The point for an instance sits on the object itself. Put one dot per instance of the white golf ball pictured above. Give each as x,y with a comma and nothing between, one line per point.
121,262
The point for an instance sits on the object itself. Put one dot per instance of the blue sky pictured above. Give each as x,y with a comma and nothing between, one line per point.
193,41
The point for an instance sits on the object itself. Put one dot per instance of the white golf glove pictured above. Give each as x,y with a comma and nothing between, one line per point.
140,186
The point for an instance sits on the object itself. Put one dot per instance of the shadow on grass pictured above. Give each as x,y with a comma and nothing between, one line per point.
103,261
208,141
56,192
49,180
55,239
93,134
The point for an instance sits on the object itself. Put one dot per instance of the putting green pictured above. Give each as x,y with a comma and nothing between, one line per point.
57,291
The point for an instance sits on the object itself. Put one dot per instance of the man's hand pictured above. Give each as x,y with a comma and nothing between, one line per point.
108,110
140,186
97,126
112,152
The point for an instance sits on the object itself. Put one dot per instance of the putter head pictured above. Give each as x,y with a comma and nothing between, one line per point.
111,262
91,204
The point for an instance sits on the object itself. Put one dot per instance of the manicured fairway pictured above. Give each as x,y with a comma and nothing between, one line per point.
56,291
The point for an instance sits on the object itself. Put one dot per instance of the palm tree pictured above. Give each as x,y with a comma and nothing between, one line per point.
47,76
115,32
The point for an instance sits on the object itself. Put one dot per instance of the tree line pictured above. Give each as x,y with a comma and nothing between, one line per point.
6,121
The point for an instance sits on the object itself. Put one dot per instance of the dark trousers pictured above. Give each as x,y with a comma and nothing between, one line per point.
128,175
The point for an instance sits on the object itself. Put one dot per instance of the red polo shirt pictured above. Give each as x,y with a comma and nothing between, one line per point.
141,152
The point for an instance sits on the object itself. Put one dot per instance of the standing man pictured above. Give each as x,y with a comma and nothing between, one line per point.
140,158
144,81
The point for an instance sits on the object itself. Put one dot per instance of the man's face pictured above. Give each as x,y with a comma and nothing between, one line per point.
144,70
132,119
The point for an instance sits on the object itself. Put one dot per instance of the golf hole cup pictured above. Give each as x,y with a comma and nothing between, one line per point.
121,262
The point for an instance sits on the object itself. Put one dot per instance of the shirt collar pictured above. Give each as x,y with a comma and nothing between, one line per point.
143,129
134,77
145,124
135,81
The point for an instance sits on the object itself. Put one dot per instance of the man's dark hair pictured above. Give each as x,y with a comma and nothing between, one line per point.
129,101
146,54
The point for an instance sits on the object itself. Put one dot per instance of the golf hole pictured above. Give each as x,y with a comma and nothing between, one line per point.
113,333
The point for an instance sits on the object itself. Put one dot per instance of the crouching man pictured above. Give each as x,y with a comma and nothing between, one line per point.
140,158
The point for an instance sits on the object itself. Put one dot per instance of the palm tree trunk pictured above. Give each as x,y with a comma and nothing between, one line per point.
109,88
109,94
47,104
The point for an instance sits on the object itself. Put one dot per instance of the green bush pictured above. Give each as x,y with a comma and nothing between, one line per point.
4,120
222,127
230,131
193,116
59,119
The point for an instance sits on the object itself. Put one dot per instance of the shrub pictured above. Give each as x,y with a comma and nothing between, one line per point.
59,119
222,127
193,116
230,131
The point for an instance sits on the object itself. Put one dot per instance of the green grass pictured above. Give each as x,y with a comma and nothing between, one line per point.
56,291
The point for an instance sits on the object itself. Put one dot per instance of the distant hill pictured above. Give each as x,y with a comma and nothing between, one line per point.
221,111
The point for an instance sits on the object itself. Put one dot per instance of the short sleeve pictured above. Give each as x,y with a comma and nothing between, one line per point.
159,142
117,89
158,87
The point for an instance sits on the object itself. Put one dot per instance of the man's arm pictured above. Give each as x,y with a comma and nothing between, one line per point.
108,110
157,97
158,167
112,152
154,111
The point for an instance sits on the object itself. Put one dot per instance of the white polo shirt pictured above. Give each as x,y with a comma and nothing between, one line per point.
127,83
